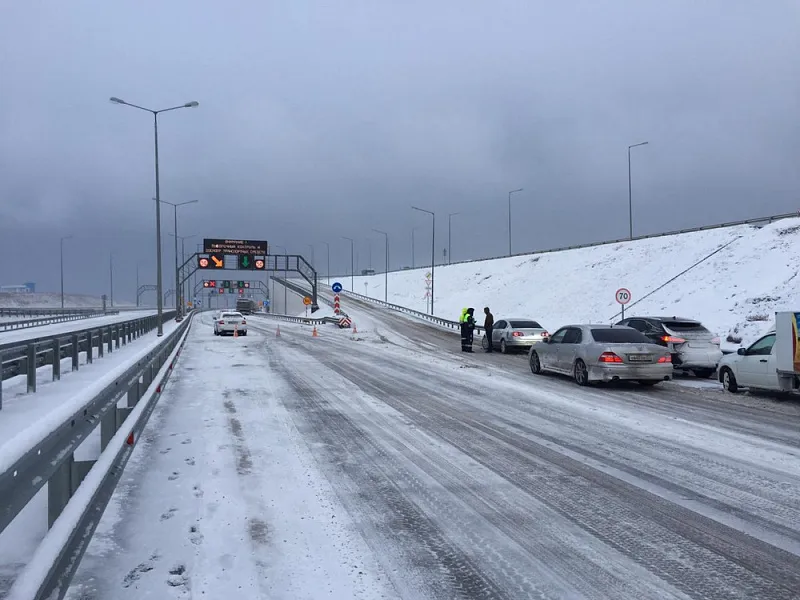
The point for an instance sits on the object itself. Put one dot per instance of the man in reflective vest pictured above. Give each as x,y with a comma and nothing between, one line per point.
467,322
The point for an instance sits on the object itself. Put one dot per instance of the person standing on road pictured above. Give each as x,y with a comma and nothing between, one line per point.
488,323
467,323
467,330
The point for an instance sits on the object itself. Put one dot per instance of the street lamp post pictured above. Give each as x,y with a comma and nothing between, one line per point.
352,262
509,217
66,237
159,285
178,290
386,276
329,261
313,262
433,249
285,265
413,251
111,276
630,194
450,237
183,238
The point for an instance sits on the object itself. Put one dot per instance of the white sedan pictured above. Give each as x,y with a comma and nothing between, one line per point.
230,322
754,367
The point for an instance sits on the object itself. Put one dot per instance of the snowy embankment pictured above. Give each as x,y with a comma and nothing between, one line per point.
734,292
52,300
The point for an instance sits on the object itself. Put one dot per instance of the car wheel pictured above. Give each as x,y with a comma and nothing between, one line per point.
503,347
649,382
703,373
580,372
535,363
485,343
728,379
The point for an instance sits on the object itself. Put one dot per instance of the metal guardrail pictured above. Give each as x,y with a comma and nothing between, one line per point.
32,311
78,491
303,320
25,357
59,318
756,221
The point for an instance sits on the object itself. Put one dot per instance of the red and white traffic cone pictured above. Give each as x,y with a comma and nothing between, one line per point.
314,332
278,333
355,329
235,331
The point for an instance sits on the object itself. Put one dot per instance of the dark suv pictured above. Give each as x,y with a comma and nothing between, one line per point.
693,347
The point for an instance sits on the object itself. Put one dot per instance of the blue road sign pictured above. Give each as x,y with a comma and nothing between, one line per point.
336,287
266,302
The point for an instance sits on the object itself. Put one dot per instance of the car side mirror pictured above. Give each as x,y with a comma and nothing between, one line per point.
741,351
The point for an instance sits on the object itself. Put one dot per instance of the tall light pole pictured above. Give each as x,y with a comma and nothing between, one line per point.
313,262
386,276
630,194
111,276
450,237
285,273
155,113
413,251
183,238
329,261
352,262
433,249
66,237
509,218
178,290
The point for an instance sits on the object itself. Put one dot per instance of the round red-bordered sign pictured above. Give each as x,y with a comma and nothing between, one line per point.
623,296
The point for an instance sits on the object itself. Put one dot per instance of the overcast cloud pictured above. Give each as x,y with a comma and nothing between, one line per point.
323,119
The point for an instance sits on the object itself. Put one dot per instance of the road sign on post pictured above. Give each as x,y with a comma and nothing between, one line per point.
336,287
623,296
307,301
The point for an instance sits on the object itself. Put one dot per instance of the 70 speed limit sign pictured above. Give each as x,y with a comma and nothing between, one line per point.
623,296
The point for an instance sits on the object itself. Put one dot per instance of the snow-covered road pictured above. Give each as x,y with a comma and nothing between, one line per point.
387,464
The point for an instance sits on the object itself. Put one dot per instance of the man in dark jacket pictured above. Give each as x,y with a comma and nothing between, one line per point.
488,324
467,329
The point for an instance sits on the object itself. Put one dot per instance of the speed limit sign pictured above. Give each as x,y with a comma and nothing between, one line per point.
623,296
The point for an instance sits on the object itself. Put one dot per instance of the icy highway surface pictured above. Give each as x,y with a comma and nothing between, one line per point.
387,464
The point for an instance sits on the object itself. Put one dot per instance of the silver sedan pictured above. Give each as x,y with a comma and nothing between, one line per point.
515,333
591,353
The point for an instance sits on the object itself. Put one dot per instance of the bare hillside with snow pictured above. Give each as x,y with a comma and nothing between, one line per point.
735,292
52,300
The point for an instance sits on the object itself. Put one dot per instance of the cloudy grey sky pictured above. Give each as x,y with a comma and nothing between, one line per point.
323,119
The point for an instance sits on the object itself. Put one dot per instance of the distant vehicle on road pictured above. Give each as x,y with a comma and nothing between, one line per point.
368,271
246,306
515,334
228,322
591,353
693,347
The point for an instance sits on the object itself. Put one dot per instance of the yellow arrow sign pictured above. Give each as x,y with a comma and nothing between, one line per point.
217,262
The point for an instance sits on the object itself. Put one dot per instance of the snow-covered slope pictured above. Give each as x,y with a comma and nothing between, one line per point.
50,300
734,292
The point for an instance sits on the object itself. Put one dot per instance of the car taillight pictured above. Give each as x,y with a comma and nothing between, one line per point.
221,322
672,339
609,357
244,322
545,334
665,359
517,334
716,341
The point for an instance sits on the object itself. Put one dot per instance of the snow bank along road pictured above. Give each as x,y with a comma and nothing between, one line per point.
389,464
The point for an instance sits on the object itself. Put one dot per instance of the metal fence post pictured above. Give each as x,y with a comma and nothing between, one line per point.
59,488
56,359
76,351
110,339
117,336
100,349
31,367
90,346
108,426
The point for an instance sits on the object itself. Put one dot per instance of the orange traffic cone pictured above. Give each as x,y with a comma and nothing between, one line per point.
314,332
278,333
235,331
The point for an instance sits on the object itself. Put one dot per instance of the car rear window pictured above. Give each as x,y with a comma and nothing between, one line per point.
525,325
685,326
619,335
230,315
